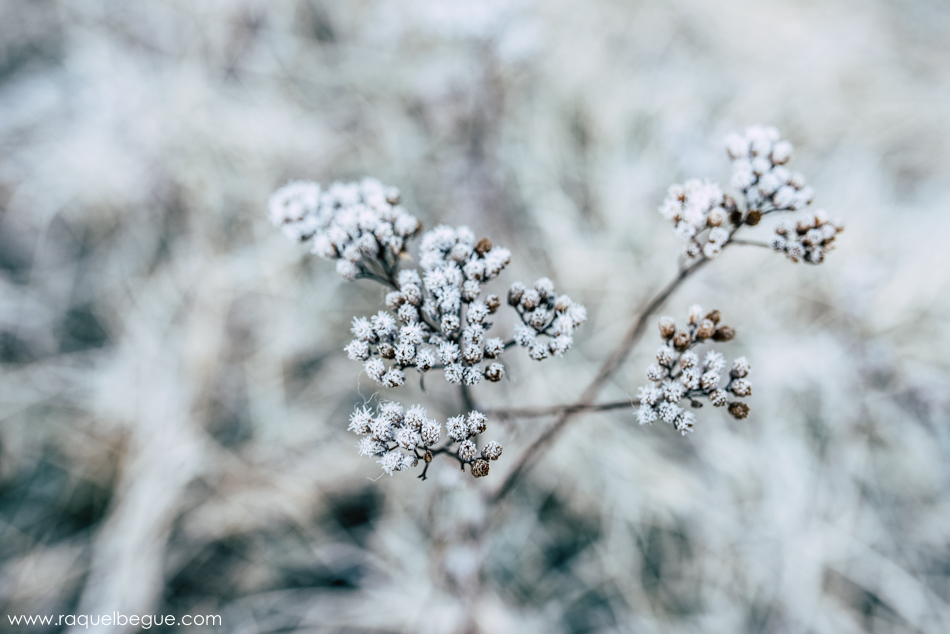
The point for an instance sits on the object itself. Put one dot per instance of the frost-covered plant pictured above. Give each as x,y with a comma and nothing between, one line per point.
678,374
436,316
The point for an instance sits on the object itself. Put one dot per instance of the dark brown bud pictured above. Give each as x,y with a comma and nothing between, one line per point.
386,350
738,410
735,217
515,293
494,372
724,333
754,217
493,302
682,340
480,467
427,456
483,246
714,316
706,329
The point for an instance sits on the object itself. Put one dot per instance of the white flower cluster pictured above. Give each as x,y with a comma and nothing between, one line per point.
807,240
545,313
360,225
758,171
695,207
678,373
401,438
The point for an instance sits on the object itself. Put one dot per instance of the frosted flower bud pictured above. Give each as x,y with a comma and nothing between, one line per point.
392,461
360,421
386,350
461,252
524,335
738,410
495,372
769,183
367,245
741,387
347,270
324,248
562,325
411,333
472,354
668,411
357,350
712,250
369,447
815,255
477,422
761,165
578,314
394,377
472,376
648,394
718,236
561,344
408,276
667,327
394,300
467,451
778,243
477,313
646,415
665,356
448,352
491,451
784,197
431,432
454,373
405,354
724,333
716,217
480,468
795,251
493,303
681,340
530,300
709,380
737,145
538,351
781,152
672,391
457,428
383,324
813,237
494,347
538,318
562,304
545,287
717,397
362,329
409,461
392,412
695,314
656,373
408,438
470,290
515,293
412,293
743,176
408,313
740,367
692,250
689,359
706,329
685,422
714,361
375,368
475,270
450,324
415,417
690,378
424,360
381,429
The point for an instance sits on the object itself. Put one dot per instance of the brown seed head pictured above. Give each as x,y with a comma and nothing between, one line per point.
682,340
724,333
735,217
706,329
386,350
714,316
753,218
493,302
738,410
480,467
483,246
515,293
667,327
427,456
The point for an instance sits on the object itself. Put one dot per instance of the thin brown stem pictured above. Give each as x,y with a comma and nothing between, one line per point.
538,412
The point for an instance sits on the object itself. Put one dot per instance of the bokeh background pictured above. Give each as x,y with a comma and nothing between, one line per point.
173,391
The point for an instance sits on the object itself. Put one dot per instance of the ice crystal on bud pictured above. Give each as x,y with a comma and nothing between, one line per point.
543,314
678,374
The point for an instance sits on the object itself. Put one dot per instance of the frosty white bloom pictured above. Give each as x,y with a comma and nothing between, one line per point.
467,450
362,329
714,361
759,173
740,367
477,422
741,387
394,377
809,239
694,207
495,372
492,451
646,415
425,359
454,373
494,347
408,438
357,350
431,432
369,447
668,411
415,417
393,461
375,369
457,428
472,376
524,335
360,421
685,422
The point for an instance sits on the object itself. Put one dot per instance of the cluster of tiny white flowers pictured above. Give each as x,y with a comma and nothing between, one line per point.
360,225
695,207
808,239
543,313
679,374
758,171
401,438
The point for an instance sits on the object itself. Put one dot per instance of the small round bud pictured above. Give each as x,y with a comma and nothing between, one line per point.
741,387
714,316
753,218
740,368
530,299
494,372
545,287
386,350
515,293
483,246
667,327
717,397
735,217
480,468
729,203
724,333
491,451
427,456
706,329
394,300
682,340
738,410
493,302
695,314
467,450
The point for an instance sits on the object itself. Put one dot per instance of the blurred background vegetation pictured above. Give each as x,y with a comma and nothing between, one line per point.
173,391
